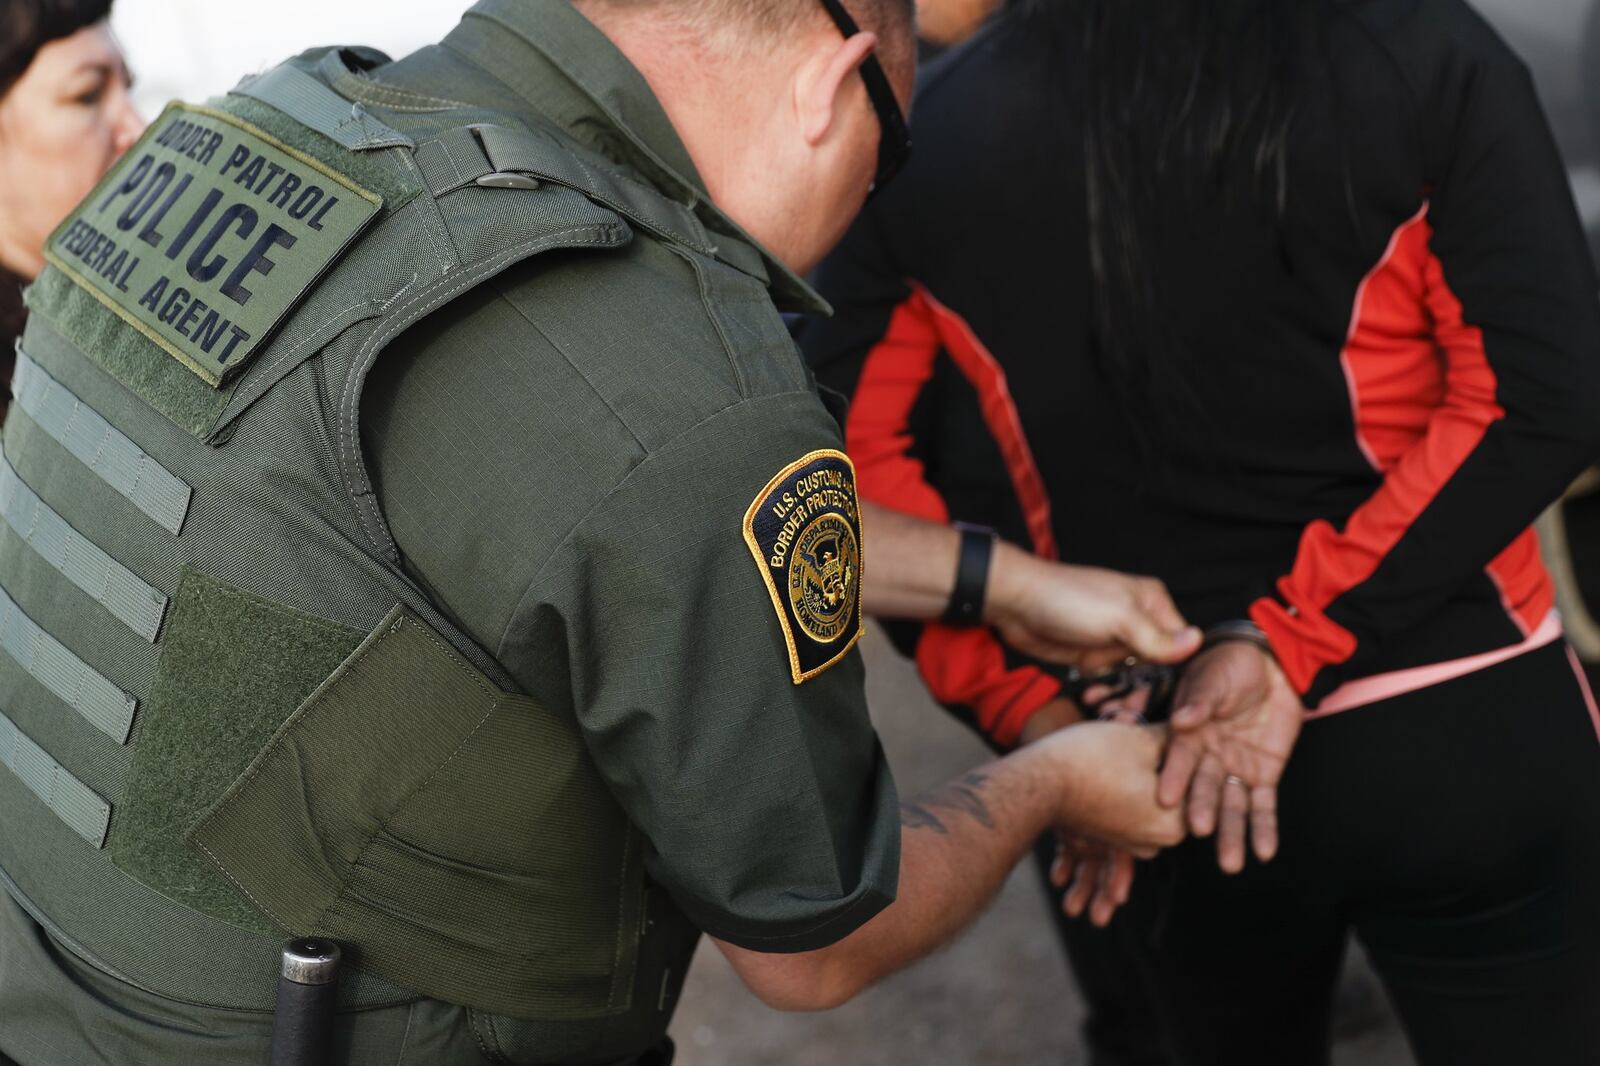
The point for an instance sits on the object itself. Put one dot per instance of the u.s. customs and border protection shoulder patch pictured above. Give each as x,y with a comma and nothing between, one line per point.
207,234
804,530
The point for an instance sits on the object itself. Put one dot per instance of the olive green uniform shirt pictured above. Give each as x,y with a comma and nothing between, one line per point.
566,458
569,458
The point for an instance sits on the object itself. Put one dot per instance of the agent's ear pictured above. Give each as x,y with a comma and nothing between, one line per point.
822,82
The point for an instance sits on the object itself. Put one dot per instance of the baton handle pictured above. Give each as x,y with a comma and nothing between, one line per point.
302,1025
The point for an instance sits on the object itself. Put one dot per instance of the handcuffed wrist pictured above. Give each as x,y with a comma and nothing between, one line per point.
1239,631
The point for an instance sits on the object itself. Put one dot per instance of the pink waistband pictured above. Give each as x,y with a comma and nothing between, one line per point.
1367,690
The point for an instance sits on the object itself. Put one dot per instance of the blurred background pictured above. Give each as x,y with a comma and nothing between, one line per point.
1001,996
192,49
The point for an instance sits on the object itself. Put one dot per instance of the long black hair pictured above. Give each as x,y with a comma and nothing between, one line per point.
1185,103
28,25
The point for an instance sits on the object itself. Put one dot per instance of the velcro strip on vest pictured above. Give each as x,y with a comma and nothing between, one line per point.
102,704
233,667
68,798
457,834
110,584
121,464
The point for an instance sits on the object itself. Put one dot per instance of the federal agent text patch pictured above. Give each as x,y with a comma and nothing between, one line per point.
207,234
804,531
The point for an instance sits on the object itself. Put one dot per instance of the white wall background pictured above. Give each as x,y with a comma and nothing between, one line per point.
192,49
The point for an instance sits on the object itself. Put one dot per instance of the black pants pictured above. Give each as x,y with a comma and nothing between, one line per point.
1456,831
1120,1027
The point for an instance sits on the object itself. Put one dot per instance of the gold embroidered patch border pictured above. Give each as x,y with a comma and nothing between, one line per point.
804,532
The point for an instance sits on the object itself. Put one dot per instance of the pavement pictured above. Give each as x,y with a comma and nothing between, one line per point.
999,996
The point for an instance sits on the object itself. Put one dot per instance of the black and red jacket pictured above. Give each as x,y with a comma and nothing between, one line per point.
1394,374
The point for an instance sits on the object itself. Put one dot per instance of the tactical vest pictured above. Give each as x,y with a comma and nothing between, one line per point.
226,712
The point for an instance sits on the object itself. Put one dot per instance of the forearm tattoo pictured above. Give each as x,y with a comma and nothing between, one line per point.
959,797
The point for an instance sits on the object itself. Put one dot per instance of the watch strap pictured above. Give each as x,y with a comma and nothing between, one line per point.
972,577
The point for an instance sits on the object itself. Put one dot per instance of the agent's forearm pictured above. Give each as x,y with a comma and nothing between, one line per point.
959,842
908,564
909,567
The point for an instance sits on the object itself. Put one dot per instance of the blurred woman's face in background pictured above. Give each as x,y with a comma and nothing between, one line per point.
947,23
62,125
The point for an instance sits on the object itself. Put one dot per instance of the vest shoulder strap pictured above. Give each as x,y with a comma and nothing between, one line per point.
505,155
467,223
523,157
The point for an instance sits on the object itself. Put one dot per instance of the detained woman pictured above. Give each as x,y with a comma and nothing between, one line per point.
1286,303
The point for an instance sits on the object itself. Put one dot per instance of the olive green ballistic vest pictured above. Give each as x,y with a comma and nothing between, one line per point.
226,714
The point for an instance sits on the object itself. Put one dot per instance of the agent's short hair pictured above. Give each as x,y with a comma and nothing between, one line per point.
877,16
893,20
32,24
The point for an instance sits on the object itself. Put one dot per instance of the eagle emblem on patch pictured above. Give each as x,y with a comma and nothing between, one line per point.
804,530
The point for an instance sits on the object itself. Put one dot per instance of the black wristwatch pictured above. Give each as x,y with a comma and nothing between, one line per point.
972,576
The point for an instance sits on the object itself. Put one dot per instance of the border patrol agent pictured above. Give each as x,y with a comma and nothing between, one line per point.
420,532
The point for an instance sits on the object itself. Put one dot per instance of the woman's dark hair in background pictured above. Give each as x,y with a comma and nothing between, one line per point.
1180,100
32,24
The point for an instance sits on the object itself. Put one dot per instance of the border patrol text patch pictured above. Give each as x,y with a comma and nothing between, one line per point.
805,533
207,234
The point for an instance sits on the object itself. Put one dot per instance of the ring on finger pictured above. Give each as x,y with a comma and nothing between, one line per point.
1234,780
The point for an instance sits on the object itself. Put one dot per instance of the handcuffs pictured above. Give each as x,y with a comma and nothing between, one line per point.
965,608
1161,679
1120,683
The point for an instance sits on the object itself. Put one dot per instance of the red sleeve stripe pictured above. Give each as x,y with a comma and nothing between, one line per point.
979,366
877,429
1419,417
1526,590
964,667
967,667
1392,376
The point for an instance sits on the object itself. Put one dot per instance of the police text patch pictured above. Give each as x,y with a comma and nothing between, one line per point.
207,234
804,530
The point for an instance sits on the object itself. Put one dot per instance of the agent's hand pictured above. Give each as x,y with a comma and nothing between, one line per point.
1108,786
1097,878
1235,723
1084,616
